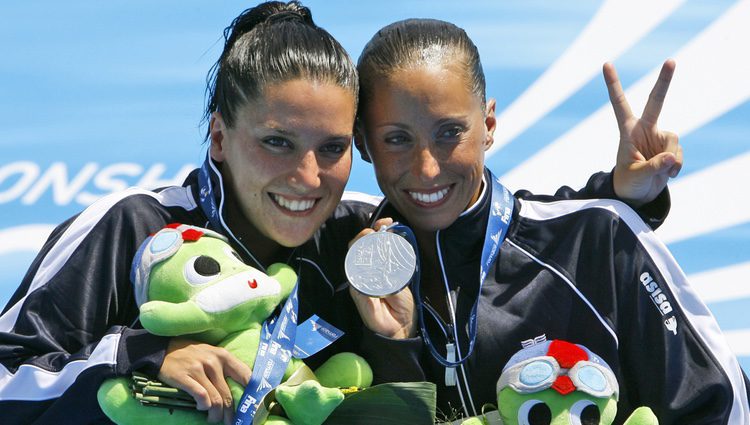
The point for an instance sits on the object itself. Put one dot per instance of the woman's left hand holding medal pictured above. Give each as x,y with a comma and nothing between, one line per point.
392,316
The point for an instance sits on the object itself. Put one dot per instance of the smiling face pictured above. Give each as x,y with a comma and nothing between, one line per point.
426,133
286,160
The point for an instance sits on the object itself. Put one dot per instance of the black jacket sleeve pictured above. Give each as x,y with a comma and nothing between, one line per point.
673,356
68,326
601,186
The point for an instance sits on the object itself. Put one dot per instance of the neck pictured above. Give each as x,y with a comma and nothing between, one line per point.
431,279
428,258
427,245
263,248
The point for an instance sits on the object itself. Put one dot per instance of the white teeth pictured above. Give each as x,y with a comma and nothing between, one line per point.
293,204
429,198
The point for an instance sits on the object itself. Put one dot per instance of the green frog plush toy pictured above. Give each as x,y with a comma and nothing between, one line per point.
559,383
188,281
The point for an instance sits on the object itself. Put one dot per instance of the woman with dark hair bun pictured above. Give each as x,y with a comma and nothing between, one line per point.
281,107
281,110
499,272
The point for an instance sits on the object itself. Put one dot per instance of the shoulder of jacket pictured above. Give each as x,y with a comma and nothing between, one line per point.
547,210
589,213
134,197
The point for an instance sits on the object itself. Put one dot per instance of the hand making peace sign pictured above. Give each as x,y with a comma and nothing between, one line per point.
646,157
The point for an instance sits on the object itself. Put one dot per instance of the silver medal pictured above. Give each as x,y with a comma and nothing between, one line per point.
380,264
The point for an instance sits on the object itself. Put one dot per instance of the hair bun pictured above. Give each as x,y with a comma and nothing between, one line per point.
285,15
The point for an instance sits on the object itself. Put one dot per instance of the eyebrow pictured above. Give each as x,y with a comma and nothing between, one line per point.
280,130
394,124
345,137
462,118
292,134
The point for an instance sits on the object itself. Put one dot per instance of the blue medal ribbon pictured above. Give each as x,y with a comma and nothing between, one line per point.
206,194
274,353
501,212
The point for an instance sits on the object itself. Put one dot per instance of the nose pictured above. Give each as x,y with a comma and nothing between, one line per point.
306,176
425,165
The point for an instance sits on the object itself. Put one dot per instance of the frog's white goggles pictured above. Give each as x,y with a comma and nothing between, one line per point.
157,248
539,373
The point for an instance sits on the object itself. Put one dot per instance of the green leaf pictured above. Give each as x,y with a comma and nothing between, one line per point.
392,403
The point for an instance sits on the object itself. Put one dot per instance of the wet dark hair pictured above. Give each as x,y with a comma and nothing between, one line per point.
272,43
413,42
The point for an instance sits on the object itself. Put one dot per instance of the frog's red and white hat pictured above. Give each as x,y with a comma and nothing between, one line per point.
157,248
559,365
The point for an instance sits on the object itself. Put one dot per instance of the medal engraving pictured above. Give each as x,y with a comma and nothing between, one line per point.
380,264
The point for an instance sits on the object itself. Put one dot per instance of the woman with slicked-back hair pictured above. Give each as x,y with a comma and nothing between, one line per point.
502,272
281,109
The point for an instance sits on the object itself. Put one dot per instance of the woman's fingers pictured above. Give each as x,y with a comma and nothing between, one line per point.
377,225
656,99
620,104
201,370
392,316
678,163
382,222
196,390
236,369
219,397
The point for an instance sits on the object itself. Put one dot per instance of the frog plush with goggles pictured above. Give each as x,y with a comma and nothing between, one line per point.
189,281
559,383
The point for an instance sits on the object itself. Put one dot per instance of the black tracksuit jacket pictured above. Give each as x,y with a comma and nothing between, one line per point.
586,271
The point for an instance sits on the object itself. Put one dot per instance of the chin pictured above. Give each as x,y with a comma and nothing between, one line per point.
431,227
427,224
292,239
293,233
426,220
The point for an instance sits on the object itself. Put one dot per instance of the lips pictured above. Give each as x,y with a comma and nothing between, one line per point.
293,205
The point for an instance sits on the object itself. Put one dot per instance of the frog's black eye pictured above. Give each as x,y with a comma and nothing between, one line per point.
585,412
207,266
534,412
201,269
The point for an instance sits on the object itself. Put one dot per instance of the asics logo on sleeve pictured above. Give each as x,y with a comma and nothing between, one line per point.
671,324
659,299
